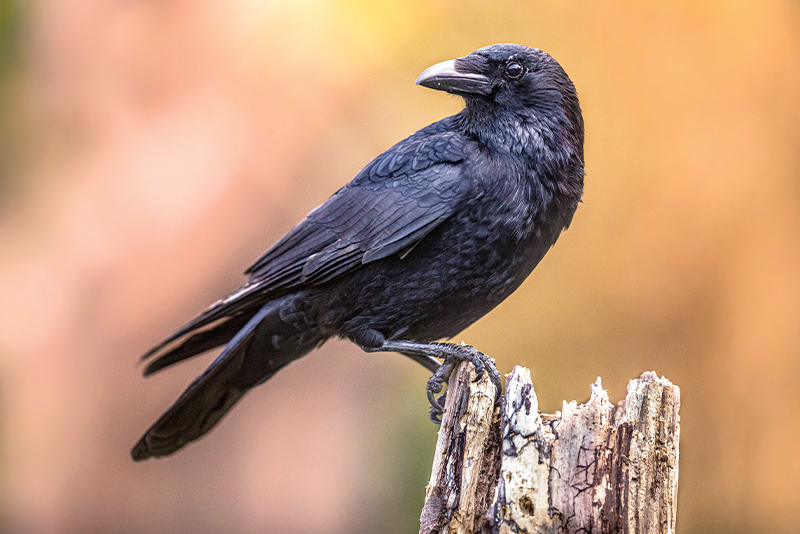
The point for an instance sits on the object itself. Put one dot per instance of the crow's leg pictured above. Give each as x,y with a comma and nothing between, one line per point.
426,354
428,362
433,365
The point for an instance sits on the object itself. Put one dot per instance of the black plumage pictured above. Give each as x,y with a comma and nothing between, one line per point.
425,240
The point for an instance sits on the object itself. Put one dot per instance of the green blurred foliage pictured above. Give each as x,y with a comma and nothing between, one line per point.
10,33
11,40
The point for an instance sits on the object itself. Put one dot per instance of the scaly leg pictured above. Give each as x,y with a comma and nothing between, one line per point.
452,354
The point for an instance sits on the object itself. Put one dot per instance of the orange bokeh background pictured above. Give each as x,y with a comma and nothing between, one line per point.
151,150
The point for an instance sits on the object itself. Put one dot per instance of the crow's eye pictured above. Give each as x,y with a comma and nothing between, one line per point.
514,70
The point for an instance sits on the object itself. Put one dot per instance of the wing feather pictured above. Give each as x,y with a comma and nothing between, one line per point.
394,202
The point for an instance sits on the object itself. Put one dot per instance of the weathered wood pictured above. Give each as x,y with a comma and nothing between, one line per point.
466,460
592,468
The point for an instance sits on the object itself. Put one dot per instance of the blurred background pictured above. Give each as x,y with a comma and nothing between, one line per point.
151,150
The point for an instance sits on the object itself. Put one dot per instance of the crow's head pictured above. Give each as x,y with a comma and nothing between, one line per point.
506,81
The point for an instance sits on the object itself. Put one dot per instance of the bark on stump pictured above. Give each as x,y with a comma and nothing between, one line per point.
592,468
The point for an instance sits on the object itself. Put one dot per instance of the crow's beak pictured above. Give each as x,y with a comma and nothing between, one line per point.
455,76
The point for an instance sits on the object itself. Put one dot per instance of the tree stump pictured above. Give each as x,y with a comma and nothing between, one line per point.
592,468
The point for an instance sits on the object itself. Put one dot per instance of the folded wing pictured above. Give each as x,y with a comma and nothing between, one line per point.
388,207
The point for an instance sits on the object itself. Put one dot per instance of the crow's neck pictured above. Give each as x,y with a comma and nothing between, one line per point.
551,145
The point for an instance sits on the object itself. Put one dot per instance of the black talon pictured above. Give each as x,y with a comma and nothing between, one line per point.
479,371
436,416
435,384
452,355
434,401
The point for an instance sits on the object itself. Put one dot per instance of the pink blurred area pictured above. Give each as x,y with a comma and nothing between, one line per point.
157,148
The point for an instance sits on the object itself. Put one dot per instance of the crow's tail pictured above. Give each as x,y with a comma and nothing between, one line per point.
251,356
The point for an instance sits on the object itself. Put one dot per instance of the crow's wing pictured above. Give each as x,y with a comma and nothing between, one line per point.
393,202
389,206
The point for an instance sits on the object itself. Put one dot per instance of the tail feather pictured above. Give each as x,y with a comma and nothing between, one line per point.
199,343
247,360
178,427
243,301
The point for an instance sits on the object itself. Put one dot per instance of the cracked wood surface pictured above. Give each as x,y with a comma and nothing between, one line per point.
592,468
466,460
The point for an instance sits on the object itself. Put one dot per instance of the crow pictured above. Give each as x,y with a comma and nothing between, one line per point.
428,238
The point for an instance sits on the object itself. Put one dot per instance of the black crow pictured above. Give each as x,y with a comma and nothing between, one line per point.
426,239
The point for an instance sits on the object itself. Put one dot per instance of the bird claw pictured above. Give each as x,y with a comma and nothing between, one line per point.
436,410
435,384
483,363
435,405
454,355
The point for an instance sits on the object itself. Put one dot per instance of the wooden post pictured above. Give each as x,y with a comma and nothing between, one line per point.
592,468
467,460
